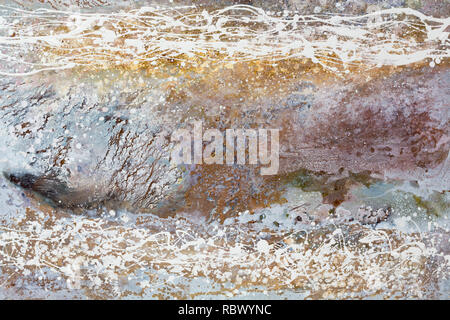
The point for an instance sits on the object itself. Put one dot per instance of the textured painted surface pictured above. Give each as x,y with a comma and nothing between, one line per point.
92,206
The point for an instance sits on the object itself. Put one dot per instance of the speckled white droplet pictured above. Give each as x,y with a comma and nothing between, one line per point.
263,246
